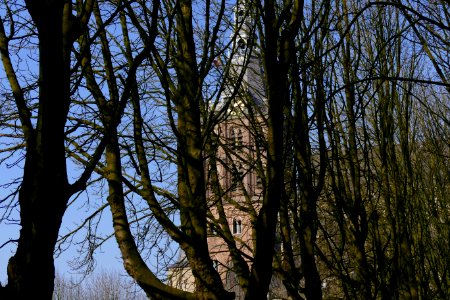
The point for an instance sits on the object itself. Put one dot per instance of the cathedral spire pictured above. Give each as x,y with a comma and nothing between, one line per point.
243,33
245,60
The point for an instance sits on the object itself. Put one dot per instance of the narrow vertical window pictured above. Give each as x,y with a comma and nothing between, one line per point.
216,265
259,182
211,230
241,46
236,138
232,138
237,176
237,226
239,139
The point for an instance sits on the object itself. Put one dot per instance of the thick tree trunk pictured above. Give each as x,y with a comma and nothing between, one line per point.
44,192
132,260
191,172
265,227
308,217
42,201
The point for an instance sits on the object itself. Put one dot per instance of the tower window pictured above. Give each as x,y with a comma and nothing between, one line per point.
216,265
240,16
237,226
232,137
259,181
211,230
241,46
239,138
236,138
237,176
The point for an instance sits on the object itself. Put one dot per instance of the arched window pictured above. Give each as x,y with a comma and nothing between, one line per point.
241,46
237,226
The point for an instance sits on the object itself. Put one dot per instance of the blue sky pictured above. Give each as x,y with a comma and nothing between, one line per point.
107,256
26,65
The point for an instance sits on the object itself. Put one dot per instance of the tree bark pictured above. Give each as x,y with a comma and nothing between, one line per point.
45,190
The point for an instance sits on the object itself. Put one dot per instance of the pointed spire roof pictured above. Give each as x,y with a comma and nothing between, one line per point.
246,65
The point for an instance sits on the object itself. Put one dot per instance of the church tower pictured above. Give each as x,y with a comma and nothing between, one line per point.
235,172
235,167
245,79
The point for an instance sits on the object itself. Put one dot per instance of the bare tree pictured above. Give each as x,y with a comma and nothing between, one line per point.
45,189
102,285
